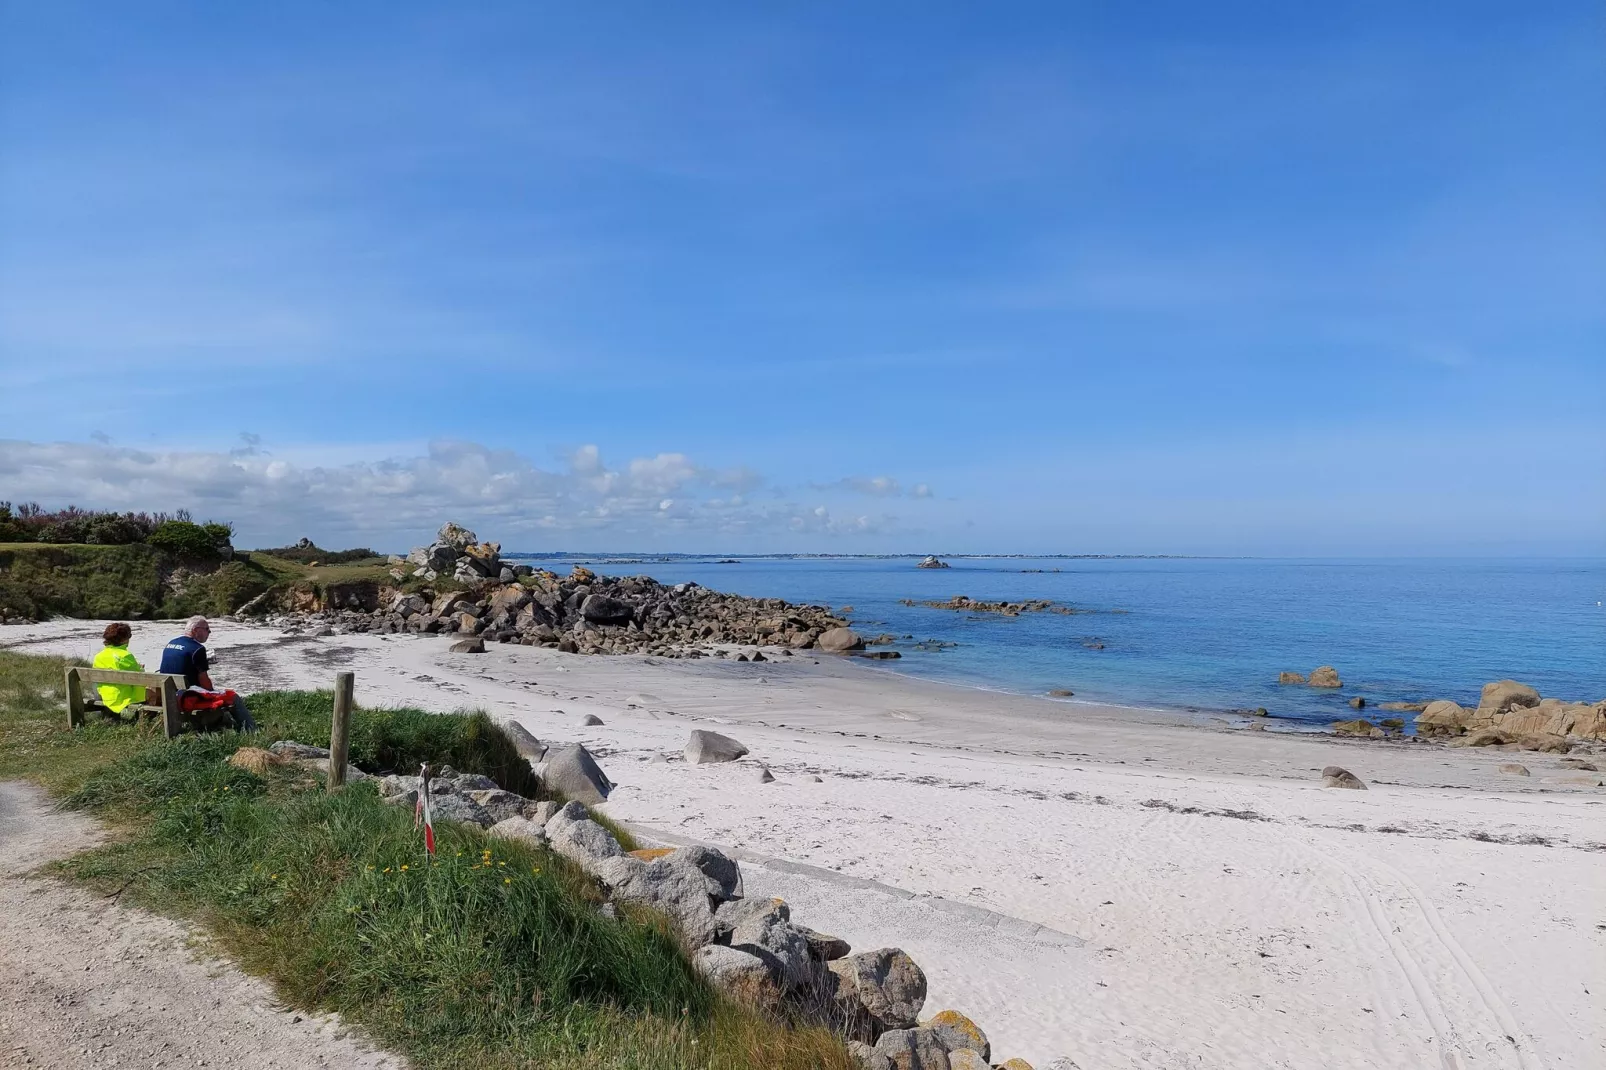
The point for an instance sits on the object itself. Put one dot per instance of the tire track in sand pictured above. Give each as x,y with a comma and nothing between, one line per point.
1421,945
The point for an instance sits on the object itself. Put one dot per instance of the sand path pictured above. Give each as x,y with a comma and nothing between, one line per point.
1115,886
87,984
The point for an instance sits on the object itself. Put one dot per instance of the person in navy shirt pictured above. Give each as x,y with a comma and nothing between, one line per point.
186,656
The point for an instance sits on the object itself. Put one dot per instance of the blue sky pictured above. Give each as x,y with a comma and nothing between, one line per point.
1268,279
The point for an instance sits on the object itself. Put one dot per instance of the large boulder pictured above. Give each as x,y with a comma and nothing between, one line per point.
675,888
528,746
867,1058
704,747
1325,676
1290,678
475,645
823,947
456,807
1443,718
913,1049
581,840
886,983
456,536
601,609
769,934
500,804
520,829
955,1032
1502,695
965,1059
730,968
573,773
714,864
839,641
1336,776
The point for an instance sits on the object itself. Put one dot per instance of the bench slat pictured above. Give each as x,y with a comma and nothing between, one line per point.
128,679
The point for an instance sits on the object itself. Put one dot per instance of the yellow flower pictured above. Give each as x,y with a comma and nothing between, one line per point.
501,863
404,869
507,880
387,869
273,876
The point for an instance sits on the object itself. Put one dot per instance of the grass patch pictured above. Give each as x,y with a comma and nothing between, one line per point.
492,956
134,582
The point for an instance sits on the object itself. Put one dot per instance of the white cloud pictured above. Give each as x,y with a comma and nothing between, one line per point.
395,502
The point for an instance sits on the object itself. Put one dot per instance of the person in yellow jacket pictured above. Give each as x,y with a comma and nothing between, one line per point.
117,697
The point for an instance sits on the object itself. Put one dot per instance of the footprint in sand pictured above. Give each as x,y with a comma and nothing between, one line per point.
904,715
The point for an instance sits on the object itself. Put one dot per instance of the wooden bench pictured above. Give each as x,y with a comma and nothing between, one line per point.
166,685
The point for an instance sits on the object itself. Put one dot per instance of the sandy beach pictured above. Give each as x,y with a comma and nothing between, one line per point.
1123,888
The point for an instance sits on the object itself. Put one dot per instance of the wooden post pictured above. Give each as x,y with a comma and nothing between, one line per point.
340,730
171,722
75,700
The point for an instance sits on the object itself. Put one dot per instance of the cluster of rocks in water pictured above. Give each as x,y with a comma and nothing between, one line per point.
752,948
489,600
1508,714
966,604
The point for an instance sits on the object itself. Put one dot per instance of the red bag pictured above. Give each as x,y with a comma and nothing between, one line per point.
191,701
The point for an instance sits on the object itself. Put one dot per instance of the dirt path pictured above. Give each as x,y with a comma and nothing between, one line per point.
88,984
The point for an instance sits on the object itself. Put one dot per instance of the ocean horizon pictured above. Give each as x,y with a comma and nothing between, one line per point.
1198,635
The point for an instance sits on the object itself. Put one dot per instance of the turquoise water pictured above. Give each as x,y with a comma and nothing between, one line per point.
1212,635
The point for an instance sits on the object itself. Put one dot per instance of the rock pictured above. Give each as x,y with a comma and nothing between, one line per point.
581,840
1502,695
528,746
956,1032
573,773
1290,678
913,1049
886,982
601,609
882,655
675,888
1353,728
1357,703
1062,1063
839,641
459,808
1336,776
543,811
1579,763
965,1059
1392,724
1404,707
455,536
1514,769
932,561
590,720
765,776
500,804
1442,718
716,865
1325,676
1061,692
467,782
1484,737
475,645
1545,742
704,747
823,948
521,829
729,968
867,1057
768,933
290,749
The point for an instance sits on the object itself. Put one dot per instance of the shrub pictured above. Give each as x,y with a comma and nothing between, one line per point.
306,552
184,539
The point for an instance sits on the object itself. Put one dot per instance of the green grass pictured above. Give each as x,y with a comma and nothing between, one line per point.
492,956
119,582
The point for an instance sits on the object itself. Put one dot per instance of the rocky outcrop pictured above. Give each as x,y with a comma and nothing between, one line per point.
886,983
460,586
932,561
965,604
1290,678
1324,676
1510,712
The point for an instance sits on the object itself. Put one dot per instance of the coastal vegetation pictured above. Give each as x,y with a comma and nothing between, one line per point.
495,955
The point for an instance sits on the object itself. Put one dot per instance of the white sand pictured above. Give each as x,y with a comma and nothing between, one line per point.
1031,854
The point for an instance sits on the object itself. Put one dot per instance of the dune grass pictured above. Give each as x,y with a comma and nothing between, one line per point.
493,955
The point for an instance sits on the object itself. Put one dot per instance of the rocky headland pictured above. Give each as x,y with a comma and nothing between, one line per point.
460,586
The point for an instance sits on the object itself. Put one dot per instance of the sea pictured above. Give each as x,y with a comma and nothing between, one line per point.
1200,636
